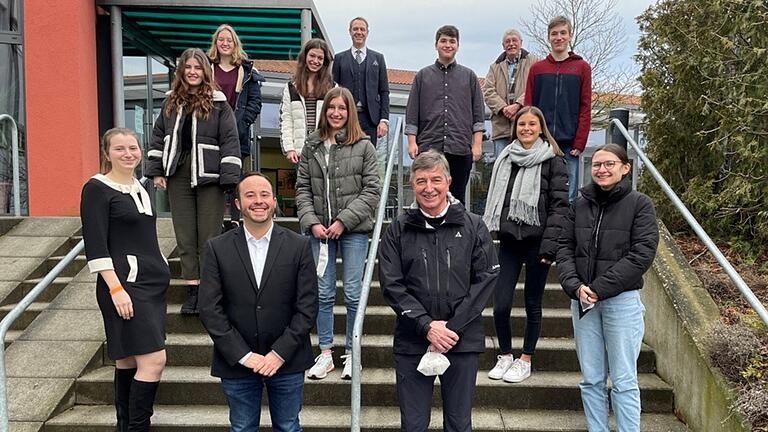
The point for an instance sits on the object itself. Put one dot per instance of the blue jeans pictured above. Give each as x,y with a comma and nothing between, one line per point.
608,340
572,165
353,248
498,146
285,393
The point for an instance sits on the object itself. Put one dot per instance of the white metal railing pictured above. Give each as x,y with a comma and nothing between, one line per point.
357,332
746,292
15,159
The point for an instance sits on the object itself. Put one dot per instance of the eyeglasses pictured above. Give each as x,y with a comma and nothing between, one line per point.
609,164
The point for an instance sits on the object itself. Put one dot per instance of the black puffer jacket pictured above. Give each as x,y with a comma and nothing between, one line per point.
447,273
248,105
552,206
608,246
215,150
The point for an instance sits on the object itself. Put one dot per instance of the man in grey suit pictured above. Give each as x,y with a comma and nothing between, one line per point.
364,72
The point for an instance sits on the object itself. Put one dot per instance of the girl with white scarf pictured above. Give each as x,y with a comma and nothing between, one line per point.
527,200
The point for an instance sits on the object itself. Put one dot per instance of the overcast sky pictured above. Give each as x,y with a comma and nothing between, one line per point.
404,30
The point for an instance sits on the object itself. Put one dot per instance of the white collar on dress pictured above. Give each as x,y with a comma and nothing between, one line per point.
135,190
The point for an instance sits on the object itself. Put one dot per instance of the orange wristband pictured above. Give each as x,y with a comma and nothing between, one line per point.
115,290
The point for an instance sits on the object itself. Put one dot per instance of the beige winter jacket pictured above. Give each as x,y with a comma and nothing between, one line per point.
496,94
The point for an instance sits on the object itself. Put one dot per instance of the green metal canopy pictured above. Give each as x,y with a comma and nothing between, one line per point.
166,28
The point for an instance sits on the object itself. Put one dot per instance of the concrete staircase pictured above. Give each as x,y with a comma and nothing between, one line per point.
189,399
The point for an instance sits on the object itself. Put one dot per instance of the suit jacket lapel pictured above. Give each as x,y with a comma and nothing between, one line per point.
245,257
275,243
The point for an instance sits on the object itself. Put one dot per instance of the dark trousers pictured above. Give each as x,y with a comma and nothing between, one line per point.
512,255
367,125
196,213
461,166
457,389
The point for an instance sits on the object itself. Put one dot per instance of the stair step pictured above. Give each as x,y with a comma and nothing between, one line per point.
11,336
26,317
553,297
214,418
544,390
556,322
552,354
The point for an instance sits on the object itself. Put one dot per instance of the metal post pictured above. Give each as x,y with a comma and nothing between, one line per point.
622,115
306,25
150,105
15,162
398,140
118,94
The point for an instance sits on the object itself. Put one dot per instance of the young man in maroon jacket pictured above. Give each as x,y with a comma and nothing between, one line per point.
561,87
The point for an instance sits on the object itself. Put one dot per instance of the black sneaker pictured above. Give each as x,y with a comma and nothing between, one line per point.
190,305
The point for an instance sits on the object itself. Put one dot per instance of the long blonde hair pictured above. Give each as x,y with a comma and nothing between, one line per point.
238,55
354,132
201,102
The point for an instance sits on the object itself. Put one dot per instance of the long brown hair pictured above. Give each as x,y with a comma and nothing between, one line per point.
238,55
201,102
354,132
323,78
106,141
544,129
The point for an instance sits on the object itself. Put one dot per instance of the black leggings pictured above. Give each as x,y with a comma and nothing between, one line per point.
512,256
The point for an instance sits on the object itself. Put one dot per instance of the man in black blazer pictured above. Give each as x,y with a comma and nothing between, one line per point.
364,72
258,301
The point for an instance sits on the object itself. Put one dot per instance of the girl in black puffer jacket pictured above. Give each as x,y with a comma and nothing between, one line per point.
609,242
527,200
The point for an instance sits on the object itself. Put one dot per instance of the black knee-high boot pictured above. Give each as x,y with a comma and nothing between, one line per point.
123,379
141,402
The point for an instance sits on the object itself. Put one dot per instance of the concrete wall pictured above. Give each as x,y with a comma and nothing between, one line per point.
678,314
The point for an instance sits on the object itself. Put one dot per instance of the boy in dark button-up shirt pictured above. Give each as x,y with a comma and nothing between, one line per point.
445,111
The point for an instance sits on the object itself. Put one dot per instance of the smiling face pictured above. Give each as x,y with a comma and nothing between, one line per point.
559,38
446,47
315,59
255,199
225,43
528,129
193,73
358,31
512,44
430,188
336,113
608,169
124,153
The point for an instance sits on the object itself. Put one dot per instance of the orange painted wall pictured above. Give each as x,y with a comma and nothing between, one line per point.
61,103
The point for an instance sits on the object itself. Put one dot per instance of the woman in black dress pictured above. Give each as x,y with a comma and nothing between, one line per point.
121,246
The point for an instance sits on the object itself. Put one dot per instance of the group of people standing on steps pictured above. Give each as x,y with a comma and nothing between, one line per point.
260,288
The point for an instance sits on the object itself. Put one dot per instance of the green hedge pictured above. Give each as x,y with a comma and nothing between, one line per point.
705,94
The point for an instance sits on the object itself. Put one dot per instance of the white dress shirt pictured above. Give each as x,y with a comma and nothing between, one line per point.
257,249
363,53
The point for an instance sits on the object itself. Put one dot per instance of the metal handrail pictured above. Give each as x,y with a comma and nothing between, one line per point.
16,312
746,292
357,332
15,158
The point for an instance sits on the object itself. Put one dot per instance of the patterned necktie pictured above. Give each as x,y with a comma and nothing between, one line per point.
359,56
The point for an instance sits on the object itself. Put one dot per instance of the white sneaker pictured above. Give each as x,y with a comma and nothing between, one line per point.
323,365
503,363
518,372
346,373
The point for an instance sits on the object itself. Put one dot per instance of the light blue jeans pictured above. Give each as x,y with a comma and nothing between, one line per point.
353,248
608,340
572,165
498,146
